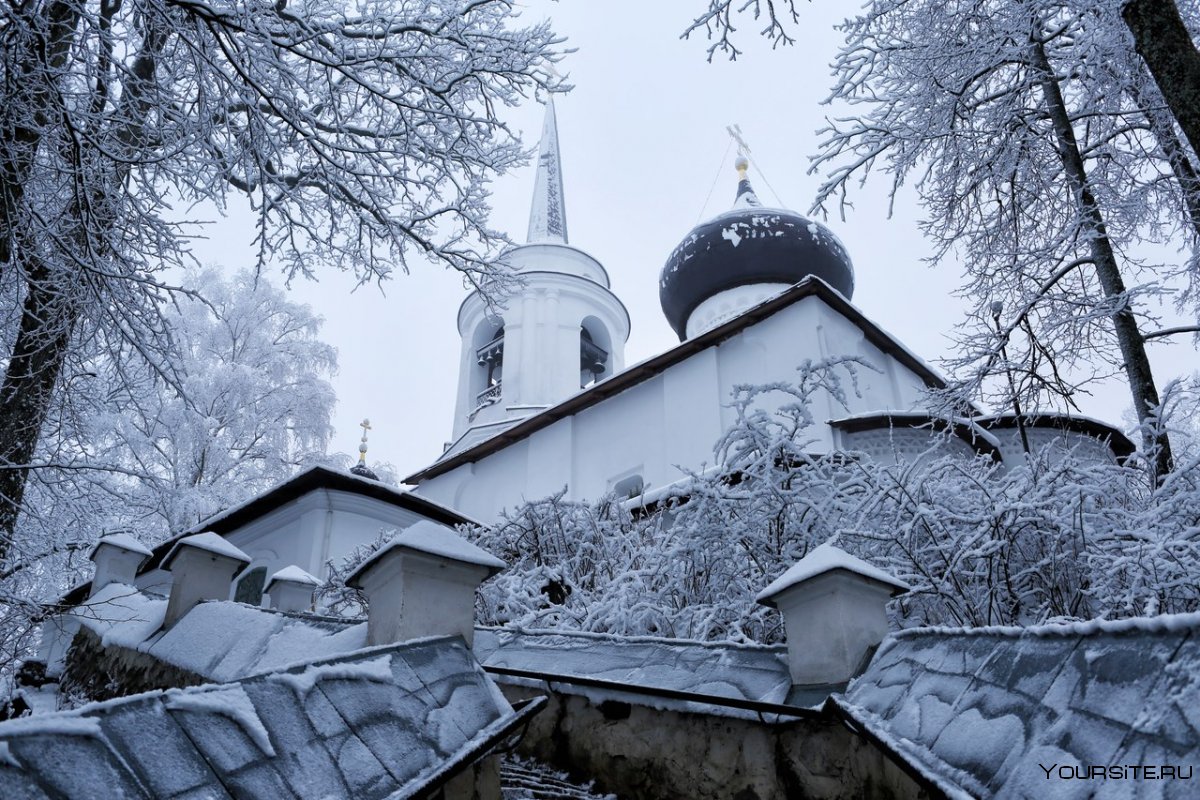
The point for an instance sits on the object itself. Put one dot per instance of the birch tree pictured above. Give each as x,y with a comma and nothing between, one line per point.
362,132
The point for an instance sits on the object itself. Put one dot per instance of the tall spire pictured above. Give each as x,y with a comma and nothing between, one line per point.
548,217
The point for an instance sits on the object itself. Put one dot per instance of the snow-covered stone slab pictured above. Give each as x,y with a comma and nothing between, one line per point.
984,712
721,670
376,723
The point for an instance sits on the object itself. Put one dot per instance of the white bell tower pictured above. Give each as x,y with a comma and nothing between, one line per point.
562,331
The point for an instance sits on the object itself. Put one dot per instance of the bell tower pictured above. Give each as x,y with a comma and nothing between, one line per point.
559,333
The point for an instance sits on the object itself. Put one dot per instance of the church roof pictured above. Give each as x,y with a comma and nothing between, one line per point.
1067,423
309,480
361,725
809,287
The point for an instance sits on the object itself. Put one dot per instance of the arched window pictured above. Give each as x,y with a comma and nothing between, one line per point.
593,355
629,488
250,587
489,362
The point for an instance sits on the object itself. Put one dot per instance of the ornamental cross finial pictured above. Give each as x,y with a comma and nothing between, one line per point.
735,133
362,447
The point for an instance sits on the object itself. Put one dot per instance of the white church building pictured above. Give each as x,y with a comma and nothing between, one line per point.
545,400
206,687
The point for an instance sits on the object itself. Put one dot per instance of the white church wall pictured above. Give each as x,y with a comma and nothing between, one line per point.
673,419
1085,447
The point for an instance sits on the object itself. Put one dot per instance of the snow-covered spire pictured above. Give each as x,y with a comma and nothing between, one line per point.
548,216
746,198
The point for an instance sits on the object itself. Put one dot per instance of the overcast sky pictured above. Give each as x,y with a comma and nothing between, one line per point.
644,143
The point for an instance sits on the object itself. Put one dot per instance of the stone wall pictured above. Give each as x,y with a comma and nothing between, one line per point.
97,672
636,751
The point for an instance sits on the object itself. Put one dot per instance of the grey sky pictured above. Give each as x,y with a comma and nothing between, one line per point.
643,138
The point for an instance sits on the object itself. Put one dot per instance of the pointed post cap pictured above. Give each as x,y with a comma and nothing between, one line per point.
823,560
211,543
121,541
292,575
430,538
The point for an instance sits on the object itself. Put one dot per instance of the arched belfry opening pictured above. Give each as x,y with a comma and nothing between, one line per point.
595,352
565,328
488,375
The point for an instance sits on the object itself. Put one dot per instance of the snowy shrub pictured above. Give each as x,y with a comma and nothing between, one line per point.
1058,537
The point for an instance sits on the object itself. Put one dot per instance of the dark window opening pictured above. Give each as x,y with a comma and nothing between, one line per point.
250,587
593,359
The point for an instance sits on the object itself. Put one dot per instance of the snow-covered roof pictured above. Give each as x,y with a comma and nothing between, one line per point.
433,539
319,477
121,615
120,540
265,640
977,711
209,542
1118,442
822,559
364,725
293,574
719,670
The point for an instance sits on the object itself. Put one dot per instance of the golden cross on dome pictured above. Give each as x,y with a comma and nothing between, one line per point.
362,447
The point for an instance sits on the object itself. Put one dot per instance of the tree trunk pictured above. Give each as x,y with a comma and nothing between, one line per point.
1163,42
53,280
1129,337
47,319
30,108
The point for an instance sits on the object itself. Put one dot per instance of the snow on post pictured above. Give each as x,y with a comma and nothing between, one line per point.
202,568
833,607
422,583
117,557
291,589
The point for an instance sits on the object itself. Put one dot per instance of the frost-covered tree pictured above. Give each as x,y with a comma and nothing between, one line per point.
249,402
252,404
1168,47
363,133
1041,150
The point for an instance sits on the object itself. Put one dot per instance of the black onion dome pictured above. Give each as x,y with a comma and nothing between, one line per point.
745,246
363,471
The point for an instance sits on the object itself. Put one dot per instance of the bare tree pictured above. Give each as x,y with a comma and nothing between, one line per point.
364,134
1038,171
1043,155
